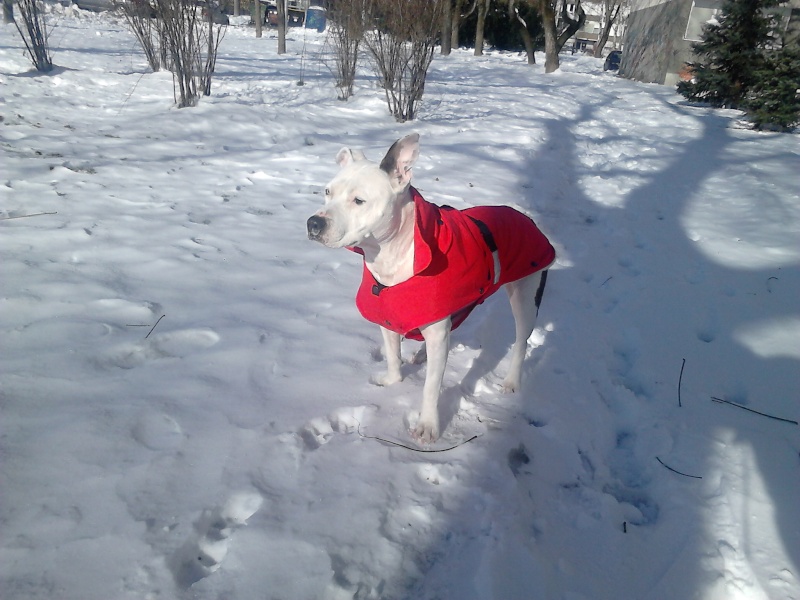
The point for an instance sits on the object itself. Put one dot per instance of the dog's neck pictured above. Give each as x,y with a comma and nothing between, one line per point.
390,258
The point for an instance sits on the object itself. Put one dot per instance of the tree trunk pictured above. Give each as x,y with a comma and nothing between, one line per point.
611,18
236,7
514,15
282,26
483,7
456,23
8,11
573,25
528,41
447,27
548,14
257,17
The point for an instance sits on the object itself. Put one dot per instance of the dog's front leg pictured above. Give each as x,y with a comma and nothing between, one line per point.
437,342
391,351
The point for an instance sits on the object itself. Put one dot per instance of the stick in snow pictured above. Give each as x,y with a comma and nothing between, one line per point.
676,471
380,439
722,401
154,326
26,216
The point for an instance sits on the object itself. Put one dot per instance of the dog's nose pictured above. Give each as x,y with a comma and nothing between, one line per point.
316,225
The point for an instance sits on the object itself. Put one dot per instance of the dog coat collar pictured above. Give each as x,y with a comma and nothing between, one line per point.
461,257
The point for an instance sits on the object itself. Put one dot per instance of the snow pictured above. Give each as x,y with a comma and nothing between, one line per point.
186,406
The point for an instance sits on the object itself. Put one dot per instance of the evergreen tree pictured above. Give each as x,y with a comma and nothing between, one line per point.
730,53
773,100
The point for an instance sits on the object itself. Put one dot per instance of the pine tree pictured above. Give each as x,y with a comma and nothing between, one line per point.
730,53
773,100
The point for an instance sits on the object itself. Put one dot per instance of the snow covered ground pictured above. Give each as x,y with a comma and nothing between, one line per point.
183,375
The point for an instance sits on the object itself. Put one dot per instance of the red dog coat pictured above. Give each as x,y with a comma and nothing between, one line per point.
461,257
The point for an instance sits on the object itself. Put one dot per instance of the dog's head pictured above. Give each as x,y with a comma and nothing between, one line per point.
363,201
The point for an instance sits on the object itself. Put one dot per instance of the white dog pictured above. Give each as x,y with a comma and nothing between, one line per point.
426,267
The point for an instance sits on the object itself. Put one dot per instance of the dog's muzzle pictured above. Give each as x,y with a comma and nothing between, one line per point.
316,225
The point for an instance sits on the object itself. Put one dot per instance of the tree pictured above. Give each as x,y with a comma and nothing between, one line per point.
483,8
282,16
568,25
772,101
8,11
730,54
457,18
34,35
140,17
447,27
612,9
345,33
525,20
191,42
402,45
547,11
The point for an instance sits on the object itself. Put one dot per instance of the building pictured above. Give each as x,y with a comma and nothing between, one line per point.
659,35
596,15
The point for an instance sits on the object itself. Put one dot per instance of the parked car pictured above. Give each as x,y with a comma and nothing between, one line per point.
612,60
95,5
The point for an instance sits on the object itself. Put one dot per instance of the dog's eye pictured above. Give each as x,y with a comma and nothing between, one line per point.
327,191
359,201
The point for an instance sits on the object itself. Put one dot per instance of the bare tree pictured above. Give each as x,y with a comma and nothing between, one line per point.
34,34
527,39
457,17
547,11
568,25
447,27
402,45
483,8
282,26
140,17
191,41
554,39
345,34
8,11
612,10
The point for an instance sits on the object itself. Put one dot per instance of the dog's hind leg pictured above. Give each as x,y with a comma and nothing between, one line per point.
525,296
391,352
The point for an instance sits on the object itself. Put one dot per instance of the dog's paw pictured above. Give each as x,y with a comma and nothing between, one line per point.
510,386
386,379
426,431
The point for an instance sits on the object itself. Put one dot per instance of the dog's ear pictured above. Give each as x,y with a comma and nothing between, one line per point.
400,158
346,156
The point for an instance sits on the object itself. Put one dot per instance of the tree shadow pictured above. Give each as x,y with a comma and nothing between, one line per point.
624,258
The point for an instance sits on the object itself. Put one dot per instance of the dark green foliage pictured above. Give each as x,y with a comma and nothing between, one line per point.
740,67
501,30
772,101
729,54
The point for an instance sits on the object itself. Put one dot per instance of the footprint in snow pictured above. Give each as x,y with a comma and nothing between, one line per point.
157,432
176,344
204,551
318,431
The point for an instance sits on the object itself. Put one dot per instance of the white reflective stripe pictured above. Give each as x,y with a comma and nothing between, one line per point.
496,257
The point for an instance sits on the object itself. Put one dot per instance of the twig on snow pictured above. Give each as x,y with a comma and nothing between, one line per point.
154,326
722,401
606,281
769,289
380,439
676,471
680,379
26,216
